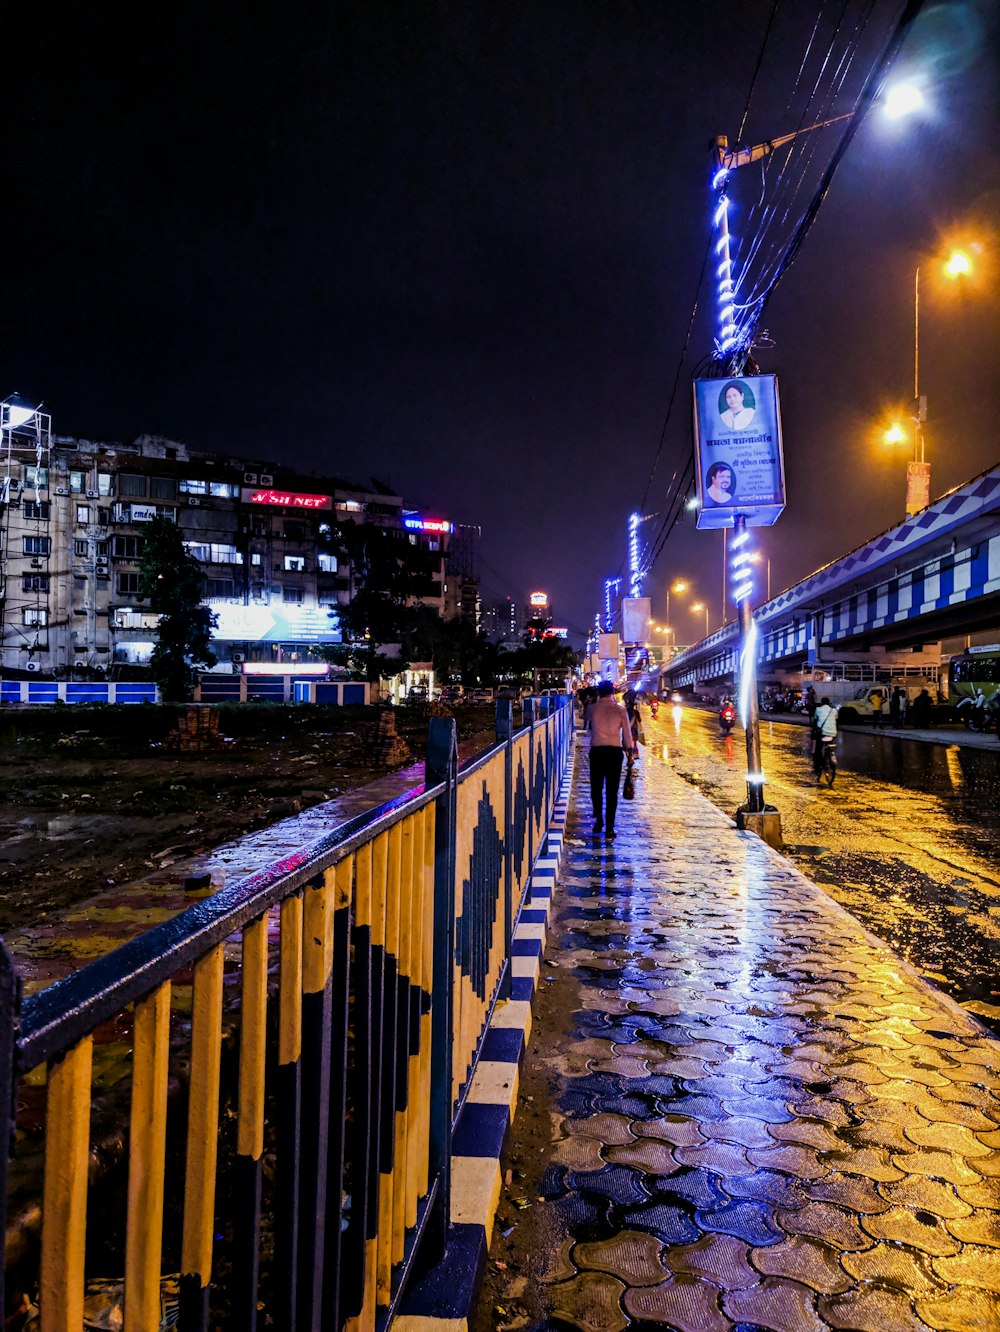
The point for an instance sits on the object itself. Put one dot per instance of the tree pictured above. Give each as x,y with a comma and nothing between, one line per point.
171,583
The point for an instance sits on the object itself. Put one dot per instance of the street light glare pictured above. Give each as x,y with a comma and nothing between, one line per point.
958,264
902,100
895,434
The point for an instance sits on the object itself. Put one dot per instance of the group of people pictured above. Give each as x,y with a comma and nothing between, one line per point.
615,730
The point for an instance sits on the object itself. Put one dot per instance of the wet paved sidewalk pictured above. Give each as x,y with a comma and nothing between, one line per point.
738,1109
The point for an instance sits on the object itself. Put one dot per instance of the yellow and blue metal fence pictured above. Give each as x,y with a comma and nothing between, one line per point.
291,1155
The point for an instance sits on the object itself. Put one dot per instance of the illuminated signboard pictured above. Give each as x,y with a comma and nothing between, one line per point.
740,469
286,668
427,525
538,599
285,499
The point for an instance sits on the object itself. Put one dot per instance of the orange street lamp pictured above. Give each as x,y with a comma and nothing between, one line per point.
701,606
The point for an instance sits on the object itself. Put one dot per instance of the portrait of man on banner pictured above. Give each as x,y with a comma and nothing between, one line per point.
740,467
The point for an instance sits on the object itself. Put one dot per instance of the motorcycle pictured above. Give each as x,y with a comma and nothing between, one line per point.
727,718
654,707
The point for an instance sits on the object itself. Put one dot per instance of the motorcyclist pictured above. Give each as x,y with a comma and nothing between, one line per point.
824,732
727,713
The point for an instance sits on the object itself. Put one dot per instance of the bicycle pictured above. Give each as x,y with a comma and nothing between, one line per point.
828,762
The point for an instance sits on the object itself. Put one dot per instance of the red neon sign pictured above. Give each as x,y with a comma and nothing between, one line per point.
288,499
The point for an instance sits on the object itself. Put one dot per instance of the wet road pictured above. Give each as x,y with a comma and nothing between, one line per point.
908,839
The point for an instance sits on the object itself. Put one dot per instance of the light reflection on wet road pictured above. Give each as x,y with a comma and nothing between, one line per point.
908,839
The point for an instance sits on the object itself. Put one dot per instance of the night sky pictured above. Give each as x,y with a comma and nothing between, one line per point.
457,245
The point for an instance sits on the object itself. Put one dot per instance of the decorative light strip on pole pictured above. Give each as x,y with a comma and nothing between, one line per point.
634,570
611,586
725,290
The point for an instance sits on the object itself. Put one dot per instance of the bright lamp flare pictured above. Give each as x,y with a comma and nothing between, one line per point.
958,264
902,100
895,434
17,416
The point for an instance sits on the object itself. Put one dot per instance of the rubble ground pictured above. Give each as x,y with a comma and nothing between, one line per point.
93,796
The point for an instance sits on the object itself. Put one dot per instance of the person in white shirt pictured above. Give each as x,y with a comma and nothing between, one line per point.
737,416
610,736
824,731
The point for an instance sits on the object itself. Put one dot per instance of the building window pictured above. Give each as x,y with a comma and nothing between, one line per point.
34,582
256,558
163,487
193,487
126,547
218,587
292,596
128,584
104,483
327,563
213,553
80,547
37,545
37,509
83,514
77,482
295,563
130,484
36,478
35,616
222,490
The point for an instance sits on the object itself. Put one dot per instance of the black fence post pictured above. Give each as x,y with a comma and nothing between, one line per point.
10,1013
442,766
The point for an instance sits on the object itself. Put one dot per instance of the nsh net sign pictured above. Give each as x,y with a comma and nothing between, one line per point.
739,466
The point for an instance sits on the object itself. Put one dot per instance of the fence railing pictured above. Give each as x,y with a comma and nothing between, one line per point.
301,1042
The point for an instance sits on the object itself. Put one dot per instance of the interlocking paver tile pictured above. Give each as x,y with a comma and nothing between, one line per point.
680,1130
872,1162
748,1132
655,1158
921,1230
631,1254
768,1186
979,1228
894,1265
792,1157
728,1158
930,1194
984,1194
681,1302
826,1222
777,1304
591,1302
873,1309
938,1113
963,1310
671,1223
579,1153
607,1128
811,1133
807,1260
971,1267
949,1138
745,1218
853,1192
939,1165
721,1259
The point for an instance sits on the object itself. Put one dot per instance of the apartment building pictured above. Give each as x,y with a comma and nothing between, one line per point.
72,514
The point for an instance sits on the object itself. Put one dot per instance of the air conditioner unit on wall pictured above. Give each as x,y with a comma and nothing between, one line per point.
266,480
93,494
31,666
62,490
194,502
236,656
250,478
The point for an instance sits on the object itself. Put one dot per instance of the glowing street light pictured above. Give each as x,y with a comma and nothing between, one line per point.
701,606
895,434
903,99
959,264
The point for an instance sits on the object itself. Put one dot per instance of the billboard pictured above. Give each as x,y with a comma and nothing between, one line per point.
739,466
608,646
636,612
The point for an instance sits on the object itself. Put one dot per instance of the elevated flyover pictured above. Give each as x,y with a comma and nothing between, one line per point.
935,575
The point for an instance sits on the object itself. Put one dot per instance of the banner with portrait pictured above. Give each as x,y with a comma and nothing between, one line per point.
739,465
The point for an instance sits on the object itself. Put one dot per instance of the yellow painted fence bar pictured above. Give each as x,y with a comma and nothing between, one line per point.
64,1214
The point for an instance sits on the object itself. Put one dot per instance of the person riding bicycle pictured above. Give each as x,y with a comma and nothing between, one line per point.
824,734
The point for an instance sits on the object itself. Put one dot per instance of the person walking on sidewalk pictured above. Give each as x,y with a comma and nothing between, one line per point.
610,735
824,732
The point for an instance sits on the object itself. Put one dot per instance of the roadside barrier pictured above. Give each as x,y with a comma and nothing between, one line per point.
291,1156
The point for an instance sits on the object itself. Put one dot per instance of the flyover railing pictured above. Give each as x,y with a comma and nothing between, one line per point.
299,1045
